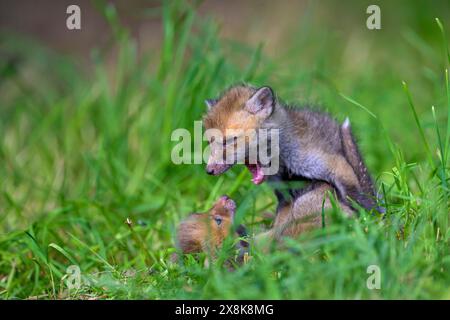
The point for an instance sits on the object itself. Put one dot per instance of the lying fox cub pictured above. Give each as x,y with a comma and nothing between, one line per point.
205,232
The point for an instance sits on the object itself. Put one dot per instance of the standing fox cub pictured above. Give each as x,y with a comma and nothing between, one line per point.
312,146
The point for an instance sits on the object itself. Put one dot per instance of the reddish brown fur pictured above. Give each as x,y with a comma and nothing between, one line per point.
228,112
200,232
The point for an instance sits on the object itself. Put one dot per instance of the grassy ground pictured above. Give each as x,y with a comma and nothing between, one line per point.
81,152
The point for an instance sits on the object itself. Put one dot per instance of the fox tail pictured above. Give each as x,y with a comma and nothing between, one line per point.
354,157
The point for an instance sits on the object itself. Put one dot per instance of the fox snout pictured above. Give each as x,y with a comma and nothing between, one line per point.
216,169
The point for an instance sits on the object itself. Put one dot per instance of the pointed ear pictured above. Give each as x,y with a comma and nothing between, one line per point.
262,102
210,103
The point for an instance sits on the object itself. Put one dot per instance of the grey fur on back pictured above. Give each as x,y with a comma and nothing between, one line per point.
306,134
354,157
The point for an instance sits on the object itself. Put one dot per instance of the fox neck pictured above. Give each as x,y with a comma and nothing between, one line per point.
289,144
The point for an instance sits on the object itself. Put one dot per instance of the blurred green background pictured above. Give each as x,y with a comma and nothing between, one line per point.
86,118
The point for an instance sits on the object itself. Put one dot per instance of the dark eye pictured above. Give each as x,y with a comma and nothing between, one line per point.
218,220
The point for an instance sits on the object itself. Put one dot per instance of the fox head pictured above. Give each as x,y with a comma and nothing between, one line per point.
234,126
209,229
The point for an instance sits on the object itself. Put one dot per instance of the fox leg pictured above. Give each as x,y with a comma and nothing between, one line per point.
345,180
305,212
301,215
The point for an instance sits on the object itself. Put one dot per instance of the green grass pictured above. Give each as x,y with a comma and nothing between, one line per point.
81,152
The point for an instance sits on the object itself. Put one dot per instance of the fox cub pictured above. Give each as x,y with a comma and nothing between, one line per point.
312,146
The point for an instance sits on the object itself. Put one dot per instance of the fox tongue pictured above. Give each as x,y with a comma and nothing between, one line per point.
257,173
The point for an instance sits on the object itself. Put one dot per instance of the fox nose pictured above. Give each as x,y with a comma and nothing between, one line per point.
215,169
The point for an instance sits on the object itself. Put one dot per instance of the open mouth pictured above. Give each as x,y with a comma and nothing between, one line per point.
231,206
227,203
257,173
